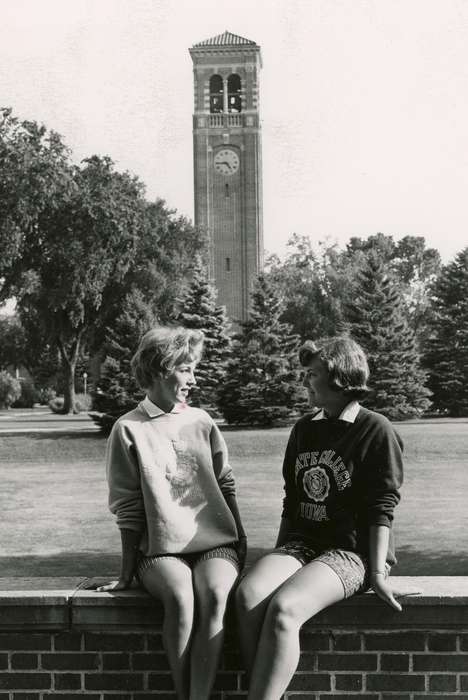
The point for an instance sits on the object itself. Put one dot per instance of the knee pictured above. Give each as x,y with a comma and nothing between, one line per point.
178,602
214,598
248,595
282,615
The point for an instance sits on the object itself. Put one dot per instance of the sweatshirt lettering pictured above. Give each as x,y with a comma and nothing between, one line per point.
314,511
325,458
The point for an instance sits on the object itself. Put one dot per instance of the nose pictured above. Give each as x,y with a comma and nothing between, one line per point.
191,379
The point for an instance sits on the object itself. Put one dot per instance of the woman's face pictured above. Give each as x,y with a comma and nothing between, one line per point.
174,387
317,384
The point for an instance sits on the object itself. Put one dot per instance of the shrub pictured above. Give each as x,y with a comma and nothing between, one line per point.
84,402
29,394
56,404
46,394
10,389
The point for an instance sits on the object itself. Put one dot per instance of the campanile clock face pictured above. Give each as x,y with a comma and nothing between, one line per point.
226,161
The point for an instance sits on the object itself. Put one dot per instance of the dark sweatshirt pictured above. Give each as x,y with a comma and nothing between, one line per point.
340,478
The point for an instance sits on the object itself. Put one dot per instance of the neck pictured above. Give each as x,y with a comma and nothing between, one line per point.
335,408
160,401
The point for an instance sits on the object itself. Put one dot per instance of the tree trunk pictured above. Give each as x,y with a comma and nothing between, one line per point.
69,400
69,360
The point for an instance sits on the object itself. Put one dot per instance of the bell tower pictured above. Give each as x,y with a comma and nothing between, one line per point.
227,164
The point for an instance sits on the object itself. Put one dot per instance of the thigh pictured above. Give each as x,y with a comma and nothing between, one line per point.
311,589
351,567
266,576
168,577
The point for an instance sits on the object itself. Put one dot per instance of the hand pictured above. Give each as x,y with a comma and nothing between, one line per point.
242,550
379,584
119,585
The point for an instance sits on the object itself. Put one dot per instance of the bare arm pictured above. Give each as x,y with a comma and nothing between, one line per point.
130,545
378,546
242,544
284,528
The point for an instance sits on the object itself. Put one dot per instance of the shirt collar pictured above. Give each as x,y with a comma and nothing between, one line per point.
154,411
348,414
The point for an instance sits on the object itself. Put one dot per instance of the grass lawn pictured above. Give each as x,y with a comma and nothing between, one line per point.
55,520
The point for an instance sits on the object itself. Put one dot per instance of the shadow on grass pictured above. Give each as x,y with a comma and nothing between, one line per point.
414,563
52,434
64,564
90,564
69,435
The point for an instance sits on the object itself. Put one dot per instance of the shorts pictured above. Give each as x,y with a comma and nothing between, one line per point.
351,567
227,551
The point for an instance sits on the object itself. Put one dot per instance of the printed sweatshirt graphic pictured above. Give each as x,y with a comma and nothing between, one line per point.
340,478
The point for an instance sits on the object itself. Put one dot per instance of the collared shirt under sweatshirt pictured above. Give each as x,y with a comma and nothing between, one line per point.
168,476
342,475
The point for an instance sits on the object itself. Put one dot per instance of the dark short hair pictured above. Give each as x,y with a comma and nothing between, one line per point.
162,348
345,361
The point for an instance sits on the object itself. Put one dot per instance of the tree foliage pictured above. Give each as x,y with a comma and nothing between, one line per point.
446,356
118,391
12,342
198,309
10,389
413,266
309,286
316,284
261,387
376,319
75,239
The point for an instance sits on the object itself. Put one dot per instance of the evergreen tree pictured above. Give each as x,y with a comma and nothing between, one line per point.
447,349
198,309
117,390
377,320
262,384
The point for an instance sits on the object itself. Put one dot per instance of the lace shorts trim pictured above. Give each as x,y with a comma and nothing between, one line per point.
351,567
191,559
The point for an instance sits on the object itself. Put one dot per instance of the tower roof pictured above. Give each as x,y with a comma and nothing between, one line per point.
225,39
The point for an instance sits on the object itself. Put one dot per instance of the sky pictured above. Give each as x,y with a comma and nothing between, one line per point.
364,104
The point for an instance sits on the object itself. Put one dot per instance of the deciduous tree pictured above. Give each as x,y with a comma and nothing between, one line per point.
75,239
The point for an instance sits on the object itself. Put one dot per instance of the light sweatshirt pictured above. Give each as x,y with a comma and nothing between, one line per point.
168,476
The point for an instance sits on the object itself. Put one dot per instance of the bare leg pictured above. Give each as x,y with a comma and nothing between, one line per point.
314,587
213,580
253,596
171,582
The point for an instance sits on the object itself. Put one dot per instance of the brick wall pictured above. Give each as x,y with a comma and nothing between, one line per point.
69,643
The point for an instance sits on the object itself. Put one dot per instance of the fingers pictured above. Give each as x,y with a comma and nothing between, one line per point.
388,597
111,586
394,603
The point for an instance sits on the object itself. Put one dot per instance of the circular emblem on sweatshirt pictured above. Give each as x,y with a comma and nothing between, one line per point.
316,483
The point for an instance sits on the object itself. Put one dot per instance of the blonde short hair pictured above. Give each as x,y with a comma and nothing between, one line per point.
162,348
344,360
